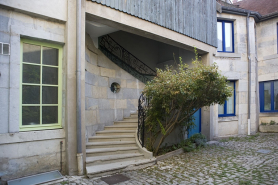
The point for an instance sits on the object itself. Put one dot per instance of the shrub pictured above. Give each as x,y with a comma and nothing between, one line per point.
176,94
272,122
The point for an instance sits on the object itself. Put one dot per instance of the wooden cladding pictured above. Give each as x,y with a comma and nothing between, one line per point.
194,18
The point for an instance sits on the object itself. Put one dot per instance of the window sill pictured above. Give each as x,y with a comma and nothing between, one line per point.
227,118
227,55
49,127
268,114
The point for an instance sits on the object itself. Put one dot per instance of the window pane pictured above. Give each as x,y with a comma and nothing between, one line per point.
30,115
231,100
219,36
31,53
31,74
220,109
228,37
50,56
267,96
50,75
6,49
50,95
30,94
275,95
49,114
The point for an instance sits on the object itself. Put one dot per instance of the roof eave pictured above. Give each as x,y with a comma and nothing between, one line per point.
238,11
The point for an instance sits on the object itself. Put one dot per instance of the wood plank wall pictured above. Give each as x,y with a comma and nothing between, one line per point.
194,18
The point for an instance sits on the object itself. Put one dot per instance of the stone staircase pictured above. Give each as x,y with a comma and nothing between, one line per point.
116,148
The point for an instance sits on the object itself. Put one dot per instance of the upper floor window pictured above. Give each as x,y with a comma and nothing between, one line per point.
269,96
225,36
41,85
228,108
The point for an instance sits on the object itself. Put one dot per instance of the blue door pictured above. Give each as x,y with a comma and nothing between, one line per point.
197,122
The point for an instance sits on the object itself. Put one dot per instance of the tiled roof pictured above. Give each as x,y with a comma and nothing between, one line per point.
264,7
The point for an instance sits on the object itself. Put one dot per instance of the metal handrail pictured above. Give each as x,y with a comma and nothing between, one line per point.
143,106
116,49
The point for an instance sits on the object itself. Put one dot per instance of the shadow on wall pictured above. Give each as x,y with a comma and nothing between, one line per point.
102,106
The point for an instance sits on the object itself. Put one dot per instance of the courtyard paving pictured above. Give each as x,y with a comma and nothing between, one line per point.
233,161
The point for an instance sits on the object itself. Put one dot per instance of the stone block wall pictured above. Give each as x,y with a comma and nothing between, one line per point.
102,106
235,67
267,58
29,152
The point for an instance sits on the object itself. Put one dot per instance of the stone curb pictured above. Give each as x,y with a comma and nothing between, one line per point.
170,154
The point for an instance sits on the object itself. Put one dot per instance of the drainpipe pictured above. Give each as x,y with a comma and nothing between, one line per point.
249,72
78,89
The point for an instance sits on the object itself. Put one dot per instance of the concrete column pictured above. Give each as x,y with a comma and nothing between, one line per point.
83,64
70,115
208,113
254,112
70,108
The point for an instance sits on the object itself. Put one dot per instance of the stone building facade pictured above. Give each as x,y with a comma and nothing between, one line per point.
48,140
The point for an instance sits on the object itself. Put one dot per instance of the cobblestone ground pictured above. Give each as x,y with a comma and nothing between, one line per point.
232,161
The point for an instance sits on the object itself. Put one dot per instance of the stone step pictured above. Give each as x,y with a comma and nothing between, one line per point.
121,127
131,123
107,159
110,151
130,119
111,168
112,138
91,145
115,132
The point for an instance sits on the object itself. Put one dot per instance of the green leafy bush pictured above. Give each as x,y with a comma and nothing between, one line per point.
176,94
272,122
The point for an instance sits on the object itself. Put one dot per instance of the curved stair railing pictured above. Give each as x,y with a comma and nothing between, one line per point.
124,59
143,105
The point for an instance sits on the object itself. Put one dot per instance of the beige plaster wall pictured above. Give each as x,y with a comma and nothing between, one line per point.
102,106
235,67
267,58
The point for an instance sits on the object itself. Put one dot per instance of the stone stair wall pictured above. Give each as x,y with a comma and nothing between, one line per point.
103,107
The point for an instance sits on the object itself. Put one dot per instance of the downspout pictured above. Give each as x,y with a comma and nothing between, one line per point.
78,89
249,72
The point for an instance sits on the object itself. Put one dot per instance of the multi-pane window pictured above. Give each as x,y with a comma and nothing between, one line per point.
228,108
40,85
269,96
225,36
